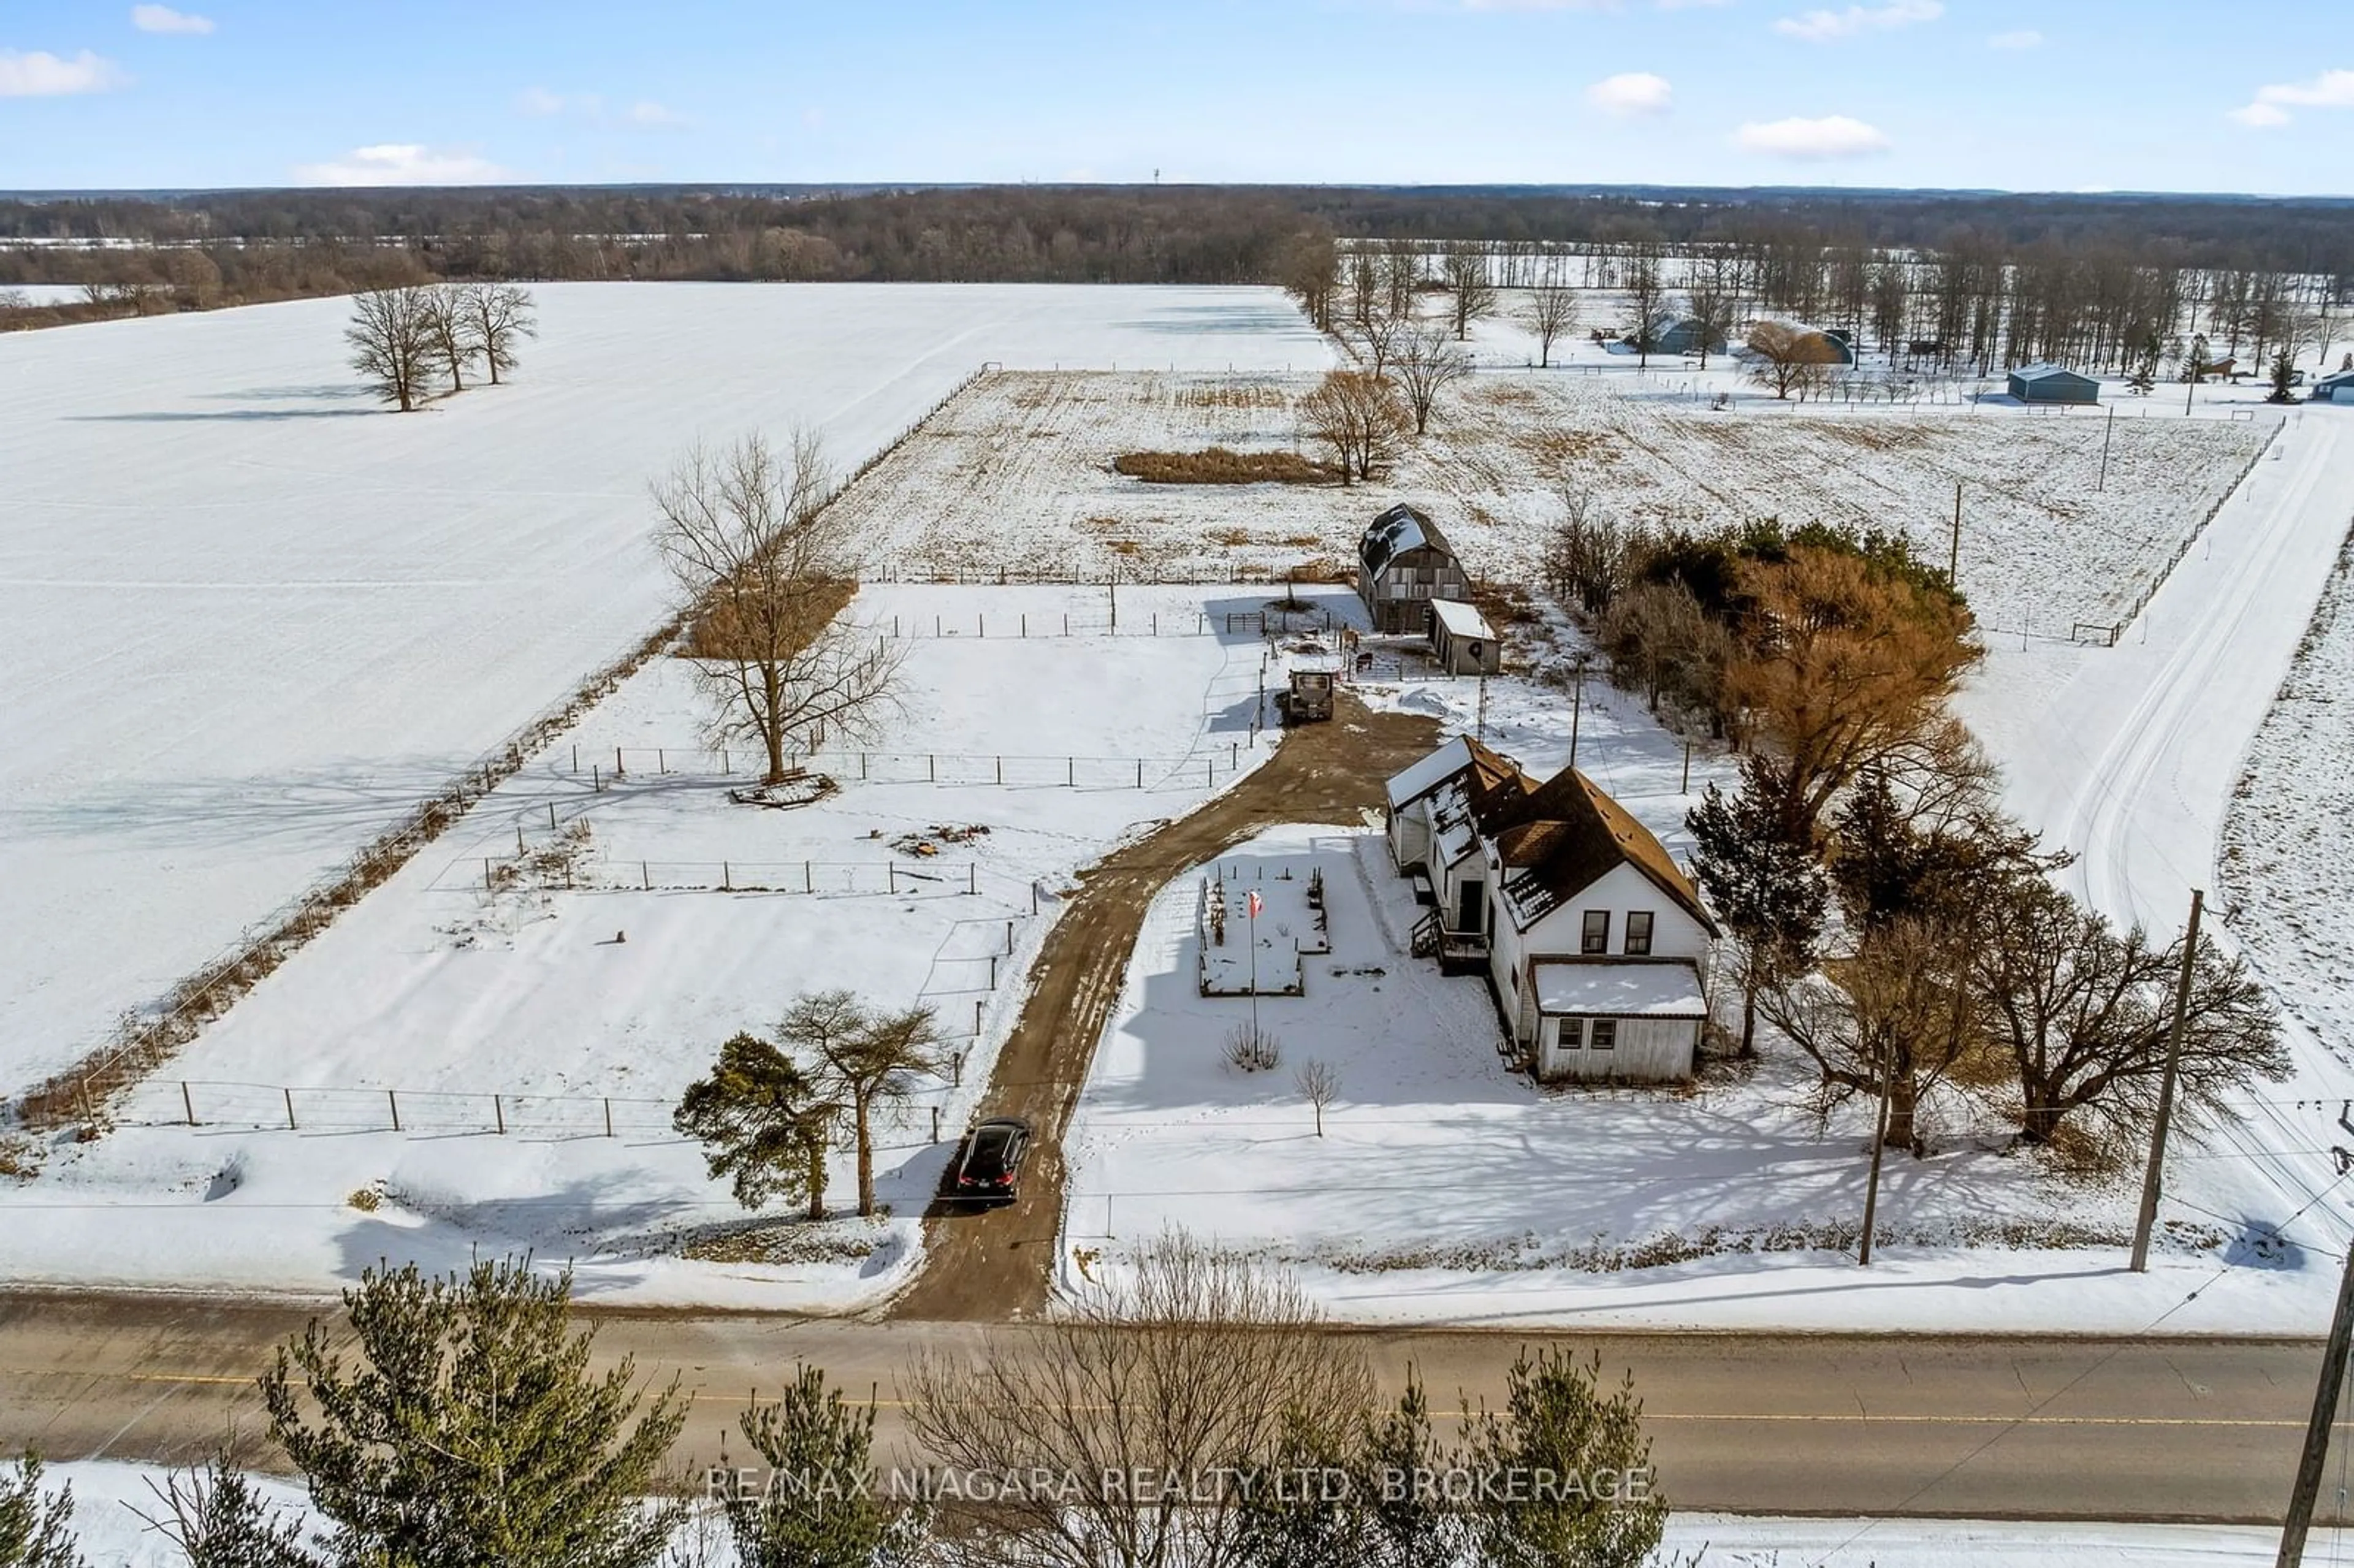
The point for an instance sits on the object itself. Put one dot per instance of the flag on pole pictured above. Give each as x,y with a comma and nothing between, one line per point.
1254,904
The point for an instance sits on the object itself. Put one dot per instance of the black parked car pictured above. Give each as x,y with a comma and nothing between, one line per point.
992,1154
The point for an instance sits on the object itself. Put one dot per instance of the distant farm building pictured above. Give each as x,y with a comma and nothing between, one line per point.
2336,387
1402,563
2052,384
1668,332
1462,641
1808,344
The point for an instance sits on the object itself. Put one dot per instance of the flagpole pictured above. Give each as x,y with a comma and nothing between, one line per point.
1254,969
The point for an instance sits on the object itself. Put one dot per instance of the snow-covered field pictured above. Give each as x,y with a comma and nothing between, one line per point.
44,293
2290,838
470,994
253,620
1018,471
109,1500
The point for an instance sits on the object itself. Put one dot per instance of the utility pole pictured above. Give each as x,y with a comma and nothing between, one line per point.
2317,1431
1879,1147
1954,556
2150,1179
2198,363
2107,435
1577,709
1483,709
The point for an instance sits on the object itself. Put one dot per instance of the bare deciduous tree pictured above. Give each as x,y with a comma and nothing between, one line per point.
1713,302
1471,290
868,1059
1374,343
498,316
747,534
1319,1083
446,317
1358,417
1551,313
391,335
1646,294
2084,1013
1195,1364
1427,364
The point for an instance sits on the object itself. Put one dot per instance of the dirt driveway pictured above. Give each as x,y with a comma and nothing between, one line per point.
996,1265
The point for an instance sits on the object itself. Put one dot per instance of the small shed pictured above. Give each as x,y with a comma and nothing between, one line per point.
1668,333
2052,384
1403,562
2334,387
1462,641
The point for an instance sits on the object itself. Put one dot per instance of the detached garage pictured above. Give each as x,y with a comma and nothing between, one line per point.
2052,384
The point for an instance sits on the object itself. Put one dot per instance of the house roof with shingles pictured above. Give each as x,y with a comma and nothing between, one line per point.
1459,757
1560,837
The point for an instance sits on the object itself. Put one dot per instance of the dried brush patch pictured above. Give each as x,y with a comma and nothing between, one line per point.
712,634
1232,395
1221,465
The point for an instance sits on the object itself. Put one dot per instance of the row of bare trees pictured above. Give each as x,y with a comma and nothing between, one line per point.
405,337
1197,1411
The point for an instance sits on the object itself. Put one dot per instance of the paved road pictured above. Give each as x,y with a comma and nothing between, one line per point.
996,1265
1976,1427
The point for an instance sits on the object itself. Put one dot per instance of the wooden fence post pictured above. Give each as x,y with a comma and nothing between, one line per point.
806,884
499,1109
392,1098
1140,773
187,1102
289,1107
609,1117
645,877
726,877
972,876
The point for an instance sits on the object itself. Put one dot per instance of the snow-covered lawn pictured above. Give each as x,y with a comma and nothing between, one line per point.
479,989
1018,471
110,1498
252,619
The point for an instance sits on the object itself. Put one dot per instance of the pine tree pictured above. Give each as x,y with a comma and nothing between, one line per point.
820,1507
35,1526
1764,884
763,1122
1562,1476
217,1518
470,1434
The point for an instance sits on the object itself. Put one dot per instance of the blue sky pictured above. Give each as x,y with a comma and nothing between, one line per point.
2024,94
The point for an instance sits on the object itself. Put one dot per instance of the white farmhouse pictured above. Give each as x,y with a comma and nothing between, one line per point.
1590,937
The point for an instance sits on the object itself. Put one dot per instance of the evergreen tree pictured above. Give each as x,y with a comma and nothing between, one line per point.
470,1433
1562,1474
217,1518
34,1525
763,1122
1763,883
820,1507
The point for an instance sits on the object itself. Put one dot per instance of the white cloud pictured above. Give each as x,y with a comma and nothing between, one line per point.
2025,38
38,74
1630,93
647,113
401,164
1832,136
1822,27
163,19
2331,89
540,103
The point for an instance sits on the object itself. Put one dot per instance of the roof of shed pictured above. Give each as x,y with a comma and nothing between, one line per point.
1394,532
2048,373
1461,620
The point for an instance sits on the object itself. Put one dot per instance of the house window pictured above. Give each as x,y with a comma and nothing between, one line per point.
1638,933
1602,1034
1596,939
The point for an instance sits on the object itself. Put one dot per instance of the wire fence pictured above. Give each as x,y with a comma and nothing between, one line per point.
607,871
607,768
1021,624
912,1121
